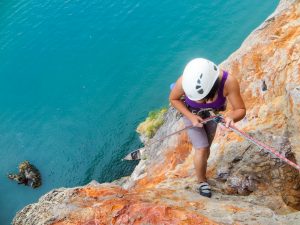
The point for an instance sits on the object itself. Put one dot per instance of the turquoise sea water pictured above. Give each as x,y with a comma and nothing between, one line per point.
77,77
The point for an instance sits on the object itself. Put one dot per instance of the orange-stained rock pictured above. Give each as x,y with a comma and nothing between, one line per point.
146,213
109,204
172,157
234,209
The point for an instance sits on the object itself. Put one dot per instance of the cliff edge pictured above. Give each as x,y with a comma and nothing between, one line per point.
250,186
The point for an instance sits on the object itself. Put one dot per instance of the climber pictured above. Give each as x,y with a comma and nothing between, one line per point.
204,86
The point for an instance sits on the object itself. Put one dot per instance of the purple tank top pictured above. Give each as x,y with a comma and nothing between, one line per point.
219,103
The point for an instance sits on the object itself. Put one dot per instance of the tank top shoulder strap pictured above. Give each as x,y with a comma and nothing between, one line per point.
221,89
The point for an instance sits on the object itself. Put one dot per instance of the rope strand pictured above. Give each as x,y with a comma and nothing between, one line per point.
262,145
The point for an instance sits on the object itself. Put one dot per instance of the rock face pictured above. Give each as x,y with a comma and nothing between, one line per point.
267,66
250,186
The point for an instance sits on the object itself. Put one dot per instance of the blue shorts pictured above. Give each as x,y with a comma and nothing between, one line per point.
201,137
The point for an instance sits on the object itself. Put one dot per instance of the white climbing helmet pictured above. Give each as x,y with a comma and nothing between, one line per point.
198,78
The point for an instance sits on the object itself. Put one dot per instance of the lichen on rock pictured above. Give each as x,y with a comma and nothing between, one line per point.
148,128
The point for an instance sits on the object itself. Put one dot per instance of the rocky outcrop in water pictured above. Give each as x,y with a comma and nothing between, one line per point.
250,186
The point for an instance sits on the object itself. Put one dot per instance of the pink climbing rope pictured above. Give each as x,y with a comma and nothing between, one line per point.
262,145
220,119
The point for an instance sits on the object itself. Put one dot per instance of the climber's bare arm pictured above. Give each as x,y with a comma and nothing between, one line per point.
234,97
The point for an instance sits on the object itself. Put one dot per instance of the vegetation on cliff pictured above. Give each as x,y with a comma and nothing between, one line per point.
154,120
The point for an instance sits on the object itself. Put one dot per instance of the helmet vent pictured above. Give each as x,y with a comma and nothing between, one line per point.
198,87
215,68
200,91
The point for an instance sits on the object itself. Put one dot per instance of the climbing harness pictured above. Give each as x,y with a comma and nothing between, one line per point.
259,144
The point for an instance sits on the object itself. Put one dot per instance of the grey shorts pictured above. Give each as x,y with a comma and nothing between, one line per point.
201,137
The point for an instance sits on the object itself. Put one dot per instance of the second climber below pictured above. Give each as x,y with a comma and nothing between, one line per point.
203,85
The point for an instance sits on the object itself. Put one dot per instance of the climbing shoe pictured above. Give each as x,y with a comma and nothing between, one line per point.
204,189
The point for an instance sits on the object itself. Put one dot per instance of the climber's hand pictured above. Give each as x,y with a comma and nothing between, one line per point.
196,120
227,122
